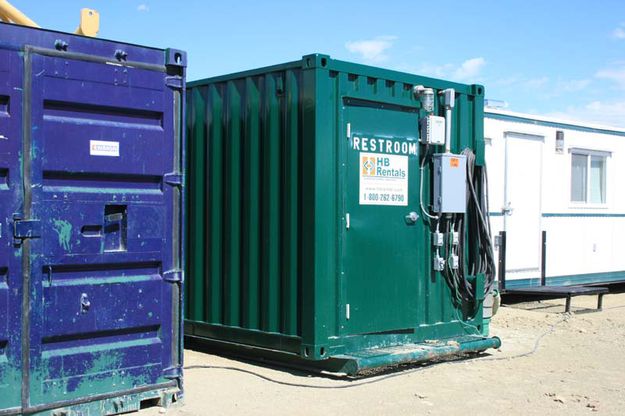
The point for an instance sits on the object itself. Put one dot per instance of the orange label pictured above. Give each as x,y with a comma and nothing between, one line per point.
454,162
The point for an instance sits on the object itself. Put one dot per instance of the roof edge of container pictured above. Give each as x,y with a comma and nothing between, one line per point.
323,61
246,73
75,35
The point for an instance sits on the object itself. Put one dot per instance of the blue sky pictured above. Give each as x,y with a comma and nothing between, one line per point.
563,58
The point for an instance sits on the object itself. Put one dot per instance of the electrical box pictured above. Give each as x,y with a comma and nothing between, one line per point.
450,183
433,130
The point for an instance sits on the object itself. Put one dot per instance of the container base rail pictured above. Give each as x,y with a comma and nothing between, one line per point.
356,362
116,403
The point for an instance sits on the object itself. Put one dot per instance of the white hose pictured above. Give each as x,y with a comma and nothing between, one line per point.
433,217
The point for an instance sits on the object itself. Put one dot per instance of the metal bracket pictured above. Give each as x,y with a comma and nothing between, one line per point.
172,372
23,229
174,82
173,179
175,57
173,276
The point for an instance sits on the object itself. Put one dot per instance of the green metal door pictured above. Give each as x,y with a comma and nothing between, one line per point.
382,238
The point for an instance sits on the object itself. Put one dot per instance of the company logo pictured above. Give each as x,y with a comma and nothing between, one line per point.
380,167
368,166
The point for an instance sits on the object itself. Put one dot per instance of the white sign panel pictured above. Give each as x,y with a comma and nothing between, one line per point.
103,148
383,179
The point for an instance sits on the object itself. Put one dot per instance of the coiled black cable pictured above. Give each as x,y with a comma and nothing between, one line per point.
474,250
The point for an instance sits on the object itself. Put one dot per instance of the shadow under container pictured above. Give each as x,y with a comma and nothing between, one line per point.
287,259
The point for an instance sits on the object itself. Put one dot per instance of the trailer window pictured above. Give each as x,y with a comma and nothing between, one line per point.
588,173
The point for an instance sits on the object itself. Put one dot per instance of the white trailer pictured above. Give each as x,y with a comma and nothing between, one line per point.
555,192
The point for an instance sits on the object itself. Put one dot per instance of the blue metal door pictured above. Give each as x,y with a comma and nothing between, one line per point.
103,202
10,253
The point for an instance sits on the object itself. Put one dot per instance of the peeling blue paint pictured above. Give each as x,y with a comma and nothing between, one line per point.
64,230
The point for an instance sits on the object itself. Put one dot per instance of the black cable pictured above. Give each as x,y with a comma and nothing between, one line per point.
309,386
481,254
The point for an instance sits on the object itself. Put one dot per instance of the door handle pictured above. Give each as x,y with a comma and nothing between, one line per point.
411,218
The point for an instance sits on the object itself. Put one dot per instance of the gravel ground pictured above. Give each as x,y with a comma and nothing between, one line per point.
578,369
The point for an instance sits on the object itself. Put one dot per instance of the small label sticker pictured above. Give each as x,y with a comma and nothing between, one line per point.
454,162
383,179
103,148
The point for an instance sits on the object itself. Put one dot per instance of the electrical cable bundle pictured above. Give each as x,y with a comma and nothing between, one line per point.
474,250
481,254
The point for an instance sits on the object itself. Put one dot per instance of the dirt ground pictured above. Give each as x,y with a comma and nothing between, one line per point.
578,369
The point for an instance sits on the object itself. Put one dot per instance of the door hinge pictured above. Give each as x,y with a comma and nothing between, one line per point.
173,178
23,229
172,372
173,276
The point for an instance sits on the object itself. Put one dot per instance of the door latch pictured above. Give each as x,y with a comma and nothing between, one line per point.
23,229
507,209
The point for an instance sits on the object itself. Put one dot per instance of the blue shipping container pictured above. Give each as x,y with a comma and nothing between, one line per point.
91,156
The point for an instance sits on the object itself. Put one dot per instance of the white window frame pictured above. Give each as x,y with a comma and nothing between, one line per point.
589,153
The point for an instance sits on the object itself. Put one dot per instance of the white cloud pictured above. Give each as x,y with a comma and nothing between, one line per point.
616,75
436,71
143,8
619,32
599,112
372,50
469,69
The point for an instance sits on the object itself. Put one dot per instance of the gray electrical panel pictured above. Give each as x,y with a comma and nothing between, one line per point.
450,183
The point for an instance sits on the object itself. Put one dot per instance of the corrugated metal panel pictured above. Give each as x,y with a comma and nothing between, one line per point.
92,251
272,175
244,176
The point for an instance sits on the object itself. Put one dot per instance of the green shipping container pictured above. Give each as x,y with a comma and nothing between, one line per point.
294,253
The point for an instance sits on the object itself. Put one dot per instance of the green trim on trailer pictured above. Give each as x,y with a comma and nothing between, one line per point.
575,279
570,215
582,214
554,124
